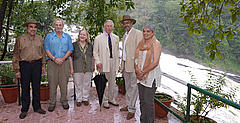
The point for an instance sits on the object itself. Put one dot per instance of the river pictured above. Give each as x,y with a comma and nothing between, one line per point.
180,67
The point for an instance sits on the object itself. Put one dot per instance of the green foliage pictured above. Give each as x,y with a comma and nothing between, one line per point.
120,81
23,11
44,79
203,104
172,32
102,11
206,15
38,10
162,97
93,13
6,74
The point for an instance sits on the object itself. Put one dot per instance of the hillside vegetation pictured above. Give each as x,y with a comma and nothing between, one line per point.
172,32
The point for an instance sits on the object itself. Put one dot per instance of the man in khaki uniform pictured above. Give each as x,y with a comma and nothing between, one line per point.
129,43
106,55
28,62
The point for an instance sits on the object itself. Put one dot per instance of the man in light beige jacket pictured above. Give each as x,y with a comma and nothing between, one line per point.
130,42
106,55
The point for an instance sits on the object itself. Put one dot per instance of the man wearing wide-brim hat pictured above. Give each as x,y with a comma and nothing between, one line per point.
28,62
129,43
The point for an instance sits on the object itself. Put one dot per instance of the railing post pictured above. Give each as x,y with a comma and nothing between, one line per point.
188,104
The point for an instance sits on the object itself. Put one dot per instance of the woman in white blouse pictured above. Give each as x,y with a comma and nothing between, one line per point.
147,68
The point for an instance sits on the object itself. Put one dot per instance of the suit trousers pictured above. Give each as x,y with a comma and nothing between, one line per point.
146,96
58,75
131,90
111,85
82,83
30,72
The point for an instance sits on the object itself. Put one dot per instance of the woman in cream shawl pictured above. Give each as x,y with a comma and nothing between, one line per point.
148,72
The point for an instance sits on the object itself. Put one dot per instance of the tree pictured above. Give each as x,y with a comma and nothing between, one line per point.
92,13
11,4
208,15
2,14
38,10
18,13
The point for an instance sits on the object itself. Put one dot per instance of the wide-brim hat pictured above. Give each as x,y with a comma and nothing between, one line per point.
127,17
31,21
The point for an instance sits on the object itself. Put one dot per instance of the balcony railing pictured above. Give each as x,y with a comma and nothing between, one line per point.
190,86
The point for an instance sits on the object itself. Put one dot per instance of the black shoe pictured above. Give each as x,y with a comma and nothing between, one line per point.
40,111
86,103
66,106
106,105
114,103
23,115
51,108
79,104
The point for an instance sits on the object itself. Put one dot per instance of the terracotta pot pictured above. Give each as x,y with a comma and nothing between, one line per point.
121,89
202,119
10,94
44,93
161,112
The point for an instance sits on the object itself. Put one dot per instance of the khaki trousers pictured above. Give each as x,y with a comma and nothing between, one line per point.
58,75
131,90
82,82
111,85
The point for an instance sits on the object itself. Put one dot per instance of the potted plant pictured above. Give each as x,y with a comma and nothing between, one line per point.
9,92
202,104
121,85
44,89
166,99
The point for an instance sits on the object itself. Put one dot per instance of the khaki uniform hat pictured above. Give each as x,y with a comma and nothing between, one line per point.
31,21
127,17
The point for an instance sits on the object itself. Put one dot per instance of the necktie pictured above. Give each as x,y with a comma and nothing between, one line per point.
110,45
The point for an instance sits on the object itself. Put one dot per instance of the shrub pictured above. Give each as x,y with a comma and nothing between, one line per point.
202,104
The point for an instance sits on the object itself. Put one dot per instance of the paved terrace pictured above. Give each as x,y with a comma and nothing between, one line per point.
9,113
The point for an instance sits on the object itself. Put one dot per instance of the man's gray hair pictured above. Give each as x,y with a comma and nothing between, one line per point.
58,19
108,21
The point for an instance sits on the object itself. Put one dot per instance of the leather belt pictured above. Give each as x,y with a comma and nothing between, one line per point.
32,61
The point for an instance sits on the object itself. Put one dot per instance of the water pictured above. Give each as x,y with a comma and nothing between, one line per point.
180,68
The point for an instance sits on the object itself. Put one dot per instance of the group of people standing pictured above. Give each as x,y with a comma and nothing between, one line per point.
139,65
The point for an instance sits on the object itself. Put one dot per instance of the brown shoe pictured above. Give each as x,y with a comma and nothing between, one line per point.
51,108
124,109
86,103
65,106
130,115
79,104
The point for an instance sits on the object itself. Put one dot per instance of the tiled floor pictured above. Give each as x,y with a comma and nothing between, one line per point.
9,113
